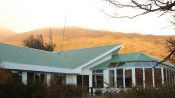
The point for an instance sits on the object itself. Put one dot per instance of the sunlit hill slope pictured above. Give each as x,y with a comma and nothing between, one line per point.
75,37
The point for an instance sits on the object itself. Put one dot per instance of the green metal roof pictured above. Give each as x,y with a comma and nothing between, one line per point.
129,57
65,59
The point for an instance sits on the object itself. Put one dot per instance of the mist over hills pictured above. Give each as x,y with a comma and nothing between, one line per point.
76,37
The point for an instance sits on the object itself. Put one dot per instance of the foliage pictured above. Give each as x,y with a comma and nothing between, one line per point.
17,90
162,92
4,76
38,43
56,90
171,47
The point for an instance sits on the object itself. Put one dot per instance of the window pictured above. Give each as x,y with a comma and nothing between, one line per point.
128,78
168,77
165,76
30,77
157,77
97,78
83,80
111,78
119,77
17,76
148,77
59,78
139,76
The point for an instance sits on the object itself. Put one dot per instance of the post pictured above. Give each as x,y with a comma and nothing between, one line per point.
133,77
115,78
24,77
143,77
153,77
90,83
124,85
106,78
162,76
48,78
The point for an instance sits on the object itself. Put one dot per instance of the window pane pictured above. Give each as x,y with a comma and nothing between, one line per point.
83,80
59,78
165,76
97,80
111,78
157,77
119,77
148,77
30,77
128,78
139,76
97,71
168,77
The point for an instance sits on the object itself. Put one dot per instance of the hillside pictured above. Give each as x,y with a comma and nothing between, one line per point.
4,33
75,38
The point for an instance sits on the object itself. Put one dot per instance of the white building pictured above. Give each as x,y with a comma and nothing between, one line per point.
88,67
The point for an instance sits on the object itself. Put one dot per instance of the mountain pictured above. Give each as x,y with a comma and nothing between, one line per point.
75,37
4,33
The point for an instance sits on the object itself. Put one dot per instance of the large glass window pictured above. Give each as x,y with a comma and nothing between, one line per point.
111,78
83,81
119,77
17,76
30,77
168,77
36,77
148,77
59,78
157,77
128,78
139,76
165,76
97,78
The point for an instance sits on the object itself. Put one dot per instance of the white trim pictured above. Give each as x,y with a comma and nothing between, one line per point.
115,77
27,67
24,77
99,57
106,78
162,76
133,77
124,85
48,78
143,77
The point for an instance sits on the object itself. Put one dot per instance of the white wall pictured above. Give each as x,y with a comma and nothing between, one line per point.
71,79
24,77
85,70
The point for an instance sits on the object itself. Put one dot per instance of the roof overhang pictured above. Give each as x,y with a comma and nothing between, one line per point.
39,68
99,57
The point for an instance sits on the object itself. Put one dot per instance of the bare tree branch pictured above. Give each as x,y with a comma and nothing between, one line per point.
150,6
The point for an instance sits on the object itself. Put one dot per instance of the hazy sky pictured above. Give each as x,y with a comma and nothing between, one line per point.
26,15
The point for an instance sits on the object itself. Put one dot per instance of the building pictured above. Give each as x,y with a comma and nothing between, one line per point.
96,67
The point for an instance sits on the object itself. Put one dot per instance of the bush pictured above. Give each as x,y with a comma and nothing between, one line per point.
162,92
18,90
58,90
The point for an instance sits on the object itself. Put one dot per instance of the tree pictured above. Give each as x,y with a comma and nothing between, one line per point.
171,47
38,43
145,7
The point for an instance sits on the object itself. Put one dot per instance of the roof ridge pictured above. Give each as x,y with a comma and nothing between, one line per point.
87,48
26,47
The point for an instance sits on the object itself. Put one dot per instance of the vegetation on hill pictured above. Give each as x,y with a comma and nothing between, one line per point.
75,37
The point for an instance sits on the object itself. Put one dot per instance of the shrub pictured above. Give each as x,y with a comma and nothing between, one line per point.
18,90
162,92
